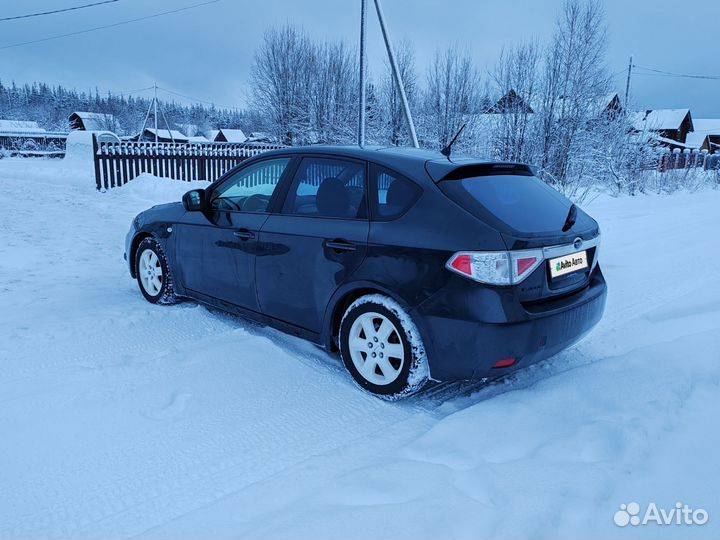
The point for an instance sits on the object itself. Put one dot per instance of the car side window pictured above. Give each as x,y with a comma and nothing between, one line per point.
327,187
250,189
395,194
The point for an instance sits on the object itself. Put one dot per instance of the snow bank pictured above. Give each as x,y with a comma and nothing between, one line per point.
155,190
49,171
79,148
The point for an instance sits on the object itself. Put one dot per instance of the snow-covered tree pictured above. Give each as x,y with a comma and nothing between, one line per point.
452,95
574,82
515,80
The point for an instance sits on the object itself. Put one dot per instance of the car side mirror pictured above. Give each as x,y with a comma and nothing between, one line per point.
194,201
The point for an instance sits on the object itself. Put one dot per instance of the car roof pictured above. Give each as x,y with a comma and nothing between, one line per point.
416,163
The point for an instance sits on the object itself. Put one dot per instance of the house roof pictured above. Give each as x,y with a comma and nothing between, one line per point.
94,121
165,134
703,128
85,115
511,101
259,136
232,135
198,139
659,119
25,127
607,100
672,143
695,139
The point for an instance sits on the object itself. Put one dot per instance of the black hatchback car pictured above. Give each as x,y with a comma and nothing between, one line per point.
413,266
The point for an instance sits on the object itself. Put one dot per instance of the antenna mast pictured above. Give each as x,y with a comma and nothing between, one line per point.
363,72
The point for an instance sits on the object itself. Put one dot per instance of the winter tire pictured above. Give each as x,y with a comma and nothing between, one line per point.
153,273
382,348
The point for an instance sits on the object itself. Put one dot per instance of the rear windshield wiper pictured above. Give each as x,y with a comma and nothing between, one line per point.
571,219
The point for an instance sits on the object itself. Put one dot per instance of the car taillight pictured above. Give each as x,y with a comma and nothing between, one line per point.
496,267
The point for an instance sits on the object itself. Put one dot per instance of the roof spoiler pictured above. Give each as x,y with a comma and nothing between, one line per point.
440,171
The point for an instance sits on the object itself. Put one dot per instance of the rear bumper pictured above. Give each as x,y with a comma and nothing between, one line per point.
491,325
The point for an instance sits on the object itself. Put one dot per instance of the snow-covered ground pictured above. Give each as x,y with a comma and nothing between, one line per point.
122,419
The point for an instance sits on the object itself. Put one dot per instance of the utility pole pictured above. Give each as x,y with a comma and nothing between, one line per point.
155,114
154,107
363,73
627,85
396,73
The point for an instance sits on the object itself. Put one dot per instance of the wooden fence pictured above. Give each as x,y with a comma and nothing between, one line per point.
688,160
118,163
33,144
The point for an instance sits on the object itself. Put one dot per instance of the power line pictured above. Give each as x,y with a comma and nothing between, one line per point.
113,25
197,99
174,93
57,11
660,72
191,98
623,70
131,91
128,92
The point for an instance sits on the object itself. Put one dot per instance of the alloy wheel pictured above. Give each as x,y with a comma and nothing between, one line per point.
150,272
376,349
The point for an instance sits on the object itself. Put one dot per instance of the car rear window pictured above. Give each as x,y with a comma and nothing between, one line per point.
515,198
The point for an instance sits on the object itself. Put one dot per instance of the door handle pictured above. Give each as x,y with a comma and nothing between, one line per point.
244,234
340,245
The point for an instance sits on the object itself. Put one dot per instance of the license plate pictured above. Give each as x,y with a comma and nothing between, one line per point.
567,264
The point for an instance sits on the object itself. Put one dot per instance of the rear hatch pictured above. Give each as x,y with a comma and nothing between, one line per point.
527,213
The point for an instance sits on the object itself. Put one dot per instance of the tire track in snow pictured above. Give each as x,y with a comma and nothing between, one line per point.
321,413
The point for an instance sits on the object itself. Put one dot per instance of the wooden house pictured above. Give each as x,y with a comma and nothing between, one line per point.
29,137
163,136
230,136
511,102
92,121
671,125
706,135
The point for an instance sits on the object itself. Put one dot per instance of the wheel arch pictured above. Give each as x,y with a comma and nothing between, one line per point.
139,237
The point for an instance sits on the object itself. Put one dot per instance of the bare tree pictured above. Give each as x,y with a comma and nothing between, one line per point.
575,80
280,79
333,99
307,91
452,94
515,78
628,156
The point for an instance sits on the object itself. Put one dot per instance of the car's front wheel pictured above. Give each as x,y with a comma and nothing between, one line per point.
382,348
153,273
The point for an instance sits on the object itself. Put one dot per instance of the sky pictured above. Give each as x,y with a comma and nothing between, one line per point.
206,52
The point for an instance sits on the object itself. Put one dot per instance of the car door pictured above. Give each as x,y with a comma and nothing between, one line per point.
217,247
315,243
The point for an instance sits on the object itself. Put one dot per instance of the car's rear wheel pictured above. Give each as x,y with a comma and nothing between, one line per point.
153,273
382,348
